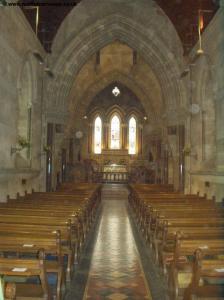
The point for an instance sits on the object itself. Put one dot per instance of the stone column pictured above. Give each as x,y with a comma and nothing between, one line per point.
90,138
181,157
106,136
124,136
139,140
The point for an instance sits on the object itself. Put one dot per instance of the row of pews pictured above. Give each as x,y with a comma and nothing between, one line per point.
42,236
186,235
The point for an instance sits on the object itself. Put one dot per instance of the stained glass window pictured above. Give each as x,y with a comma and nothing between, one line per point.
115,132
97,135
132,136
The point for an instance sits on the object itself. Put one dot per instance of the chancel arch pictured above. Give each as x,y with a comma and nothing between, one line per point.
153,50
103,82
124,28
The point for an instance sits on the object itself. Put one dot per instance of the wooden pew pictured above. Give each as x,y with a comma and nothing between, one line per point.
27,268
182,260
205,270
196,221
26,243
79,215
34,218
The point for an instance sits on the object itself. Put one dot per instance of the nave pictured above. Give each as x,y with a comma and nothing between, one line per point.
90,242
115,270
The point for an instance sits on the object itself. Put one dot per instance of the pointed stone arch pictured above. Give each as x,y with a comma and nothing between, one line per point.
117,23
102,83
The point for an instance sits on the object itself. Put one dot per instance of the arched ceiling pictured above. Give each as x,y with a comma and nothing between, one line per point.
126,101
115,64
91,50
182,13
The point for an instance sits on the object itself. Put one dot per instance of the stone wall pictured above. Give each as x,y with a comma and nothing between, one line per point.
21,97
205,171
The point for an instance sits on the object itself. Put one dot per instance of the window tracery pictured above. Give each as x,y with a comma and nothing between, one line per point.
98,135
115,132
132,136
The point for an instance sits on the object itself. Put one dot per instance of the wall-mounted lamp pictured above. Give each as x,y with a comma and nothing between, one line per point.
48,71
187,151
22,144
38,57
184,73
15,149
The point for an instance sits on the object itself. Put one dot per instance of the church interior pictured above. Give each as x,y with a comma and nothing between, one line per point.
112,150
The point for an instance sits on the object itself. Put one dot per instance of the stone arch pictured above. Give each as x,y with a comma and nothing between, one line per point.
94,89
96,113
153,46
115,110
134,112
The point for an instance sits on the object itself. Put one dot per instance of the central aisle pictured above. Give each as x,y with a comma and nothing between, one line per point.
116,272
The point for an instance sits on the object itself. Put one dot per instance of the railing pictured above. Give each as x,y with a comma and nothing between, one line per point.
113,177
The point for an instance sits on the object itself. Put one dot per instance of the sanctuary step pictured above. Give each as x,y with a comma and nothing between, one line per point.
114,191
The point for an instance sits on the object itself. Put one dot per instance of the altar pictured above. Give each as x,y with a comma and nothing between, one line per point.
114,173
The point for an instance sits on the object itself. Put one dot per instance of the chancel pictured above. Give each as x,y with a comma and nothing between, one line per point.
112,157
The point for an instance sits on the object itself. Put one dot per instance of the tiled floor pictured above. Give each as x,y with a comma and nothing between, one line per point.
110,268
116,272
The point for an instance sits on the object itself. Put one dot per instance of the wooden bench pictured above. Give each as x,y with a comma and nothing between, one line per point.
182,260
175,226
27,244
31,221
27,268
205,270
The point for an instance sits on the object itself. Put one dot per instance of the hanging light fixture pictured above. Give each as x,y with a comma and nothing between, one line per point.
116,91
201,26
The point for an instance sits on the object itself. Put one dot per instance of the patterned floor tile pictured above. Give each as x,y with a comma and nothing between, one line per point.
117,284
116,272
117,296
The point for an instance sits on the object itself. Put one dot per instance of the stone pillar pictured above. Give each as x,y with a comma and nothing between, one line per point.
106,136
181,157
90,138
139,140
124,137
